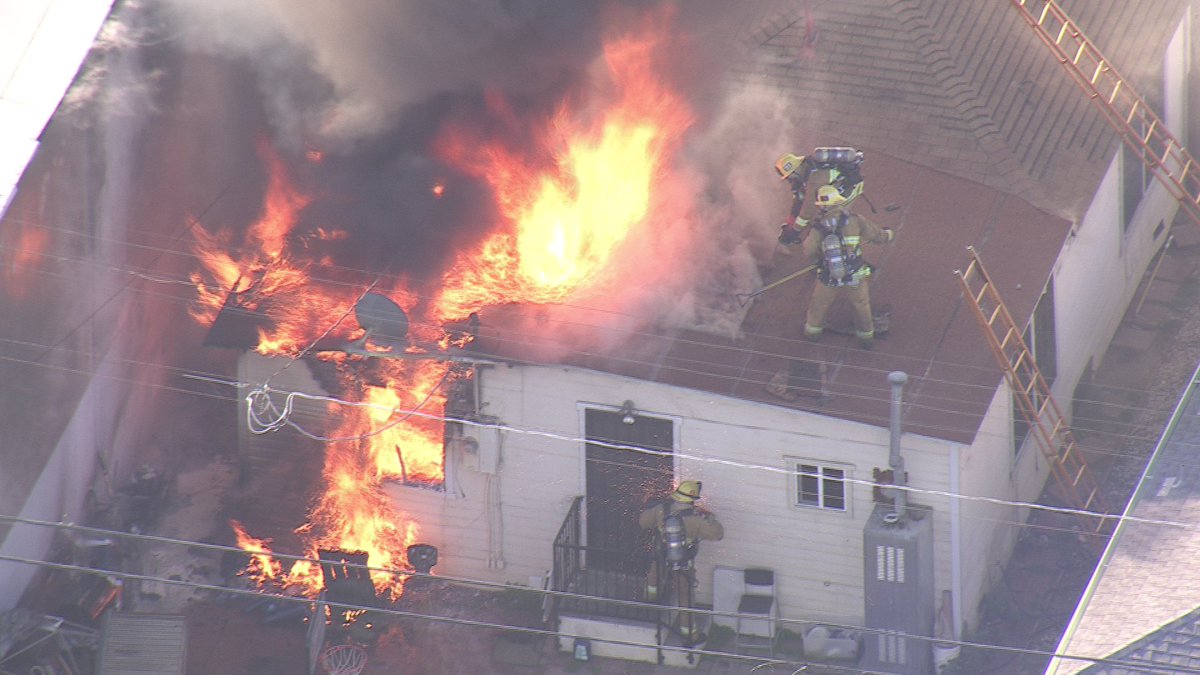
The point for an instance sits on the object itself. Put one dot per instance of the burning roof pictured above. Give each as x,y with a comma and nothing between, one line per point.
610,230
592,211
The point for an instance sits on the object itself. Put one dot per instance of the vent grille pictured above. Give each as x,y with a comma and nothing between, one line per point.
889,564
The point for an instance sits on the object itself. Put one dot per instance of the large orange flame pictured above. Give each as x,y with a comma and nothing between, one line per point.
563,224
375,441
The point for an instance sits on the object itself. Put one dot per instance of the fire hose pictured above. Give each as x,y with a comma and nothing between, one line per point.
745,298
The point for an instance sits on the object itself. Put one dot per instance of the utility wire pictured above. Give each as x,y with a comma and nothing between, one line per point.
846,391
1080,421
573,439
91,315
1136,456
401,613
731,463
518,339
473,582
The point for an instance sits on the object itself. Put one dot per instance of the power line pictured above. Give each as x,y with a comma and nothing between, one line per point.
732,463
119,291
681,339
573,439
509,627
224,382
851,395
474,582
763,376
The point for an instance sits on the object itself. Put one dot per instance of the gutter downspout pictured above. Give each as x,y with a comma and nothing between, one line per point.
956,537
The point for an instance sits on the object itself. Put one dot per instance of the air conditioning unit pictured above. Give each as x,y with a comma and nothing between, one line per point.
899,592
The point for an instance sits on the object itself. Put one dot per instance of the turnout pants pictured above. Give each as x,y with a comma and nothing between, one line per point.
679,592
823,297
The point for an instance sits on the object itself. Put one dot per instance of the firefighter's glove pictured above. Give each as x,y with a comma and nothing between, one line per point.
888,234
789,234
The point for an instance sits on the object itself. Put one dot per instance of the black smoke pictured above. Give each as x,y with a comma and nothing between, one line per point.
367,85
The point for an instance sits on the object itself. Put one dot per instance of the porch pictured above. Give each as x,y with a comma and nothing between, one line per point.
600,605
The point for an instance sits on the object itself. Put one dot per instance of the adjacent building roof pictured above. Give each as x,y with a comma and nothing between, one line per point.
1150,565
44,43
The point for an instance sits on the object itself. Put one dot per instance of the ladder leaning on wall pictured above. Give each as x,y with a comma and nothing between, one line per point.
1127,112
1052,433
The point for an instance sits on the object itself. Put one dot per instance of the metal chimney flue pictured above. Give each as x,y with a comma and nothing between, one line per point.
895,460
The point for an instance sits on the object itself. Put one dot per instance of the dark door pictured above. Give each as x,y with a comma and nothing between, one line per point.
621,482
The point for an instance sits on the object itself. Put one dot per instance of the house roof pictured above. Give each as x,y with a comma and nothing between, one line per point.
974,130
965,87
44,43
959,107
1149,565
933,337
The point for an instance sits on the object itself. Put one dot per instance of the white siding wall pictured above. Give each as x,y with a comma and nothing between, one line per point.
738,448
1099,270
985,526
1095,279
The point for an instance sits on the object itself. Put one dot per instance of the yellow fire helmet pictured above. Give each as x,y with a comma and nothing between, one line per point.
828,196
788,165
687,492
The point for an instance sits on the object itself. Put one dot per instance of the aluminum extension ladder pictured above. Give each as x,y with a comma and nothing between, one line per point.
1136,122
1046,424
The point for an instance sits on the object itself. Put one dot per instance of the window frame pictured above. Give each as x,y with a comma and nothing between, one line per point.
1041,337
799,468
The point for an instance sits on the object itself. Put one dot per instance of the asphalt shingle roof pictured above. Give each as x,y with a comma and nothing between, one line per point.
1142,603
965,87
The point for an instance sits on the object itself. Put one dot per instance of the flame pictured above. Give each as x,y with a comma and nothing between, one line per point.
262,271
262,565
563,224
567,208
20,259
352,513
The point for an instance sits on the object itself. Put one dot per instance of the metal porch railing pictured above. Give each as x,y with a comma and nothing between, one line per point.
593,591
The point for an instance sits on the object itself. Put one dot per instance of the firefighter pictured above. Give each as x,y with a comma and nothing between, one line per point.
681,525
834,243
844,167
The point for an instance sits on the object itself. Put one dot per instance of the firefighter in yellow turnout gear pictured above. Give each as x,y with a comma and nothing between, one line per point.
835,237
843,171
834,243
681,526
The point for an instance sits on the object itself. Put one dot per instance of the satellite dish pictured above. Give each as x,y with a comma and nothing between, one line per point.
385,322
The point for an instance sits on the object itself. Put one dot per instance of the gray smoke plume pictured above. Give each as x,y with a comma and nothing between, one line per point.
377,58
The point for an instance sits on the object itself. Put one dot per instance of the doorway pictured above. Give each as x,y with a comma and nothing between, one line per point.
621,481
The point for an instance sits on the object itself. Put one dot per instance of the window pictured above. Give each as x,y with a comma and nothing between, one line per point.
1135,179
821,486
1040,338
1136,174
